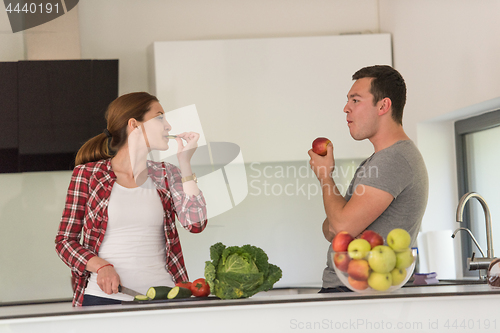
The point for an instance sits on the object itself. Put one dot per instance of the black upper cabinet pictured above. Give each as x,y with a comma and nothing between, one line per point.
8,114
104,83
54,106
60,105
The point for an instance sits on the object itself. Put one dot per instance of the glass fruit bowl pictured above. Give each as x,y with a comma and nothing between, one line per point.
493,276
381,270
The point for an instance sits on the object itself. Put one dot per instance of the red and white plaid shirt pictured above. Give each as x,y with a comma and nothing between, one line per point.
87,208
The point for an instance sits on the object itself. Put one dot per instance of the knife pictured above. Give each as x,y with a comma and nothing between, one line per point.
128,291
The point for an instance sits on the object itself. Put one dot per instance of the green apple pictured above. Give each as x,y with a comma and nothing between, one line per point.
398,239
404,259
398,276
358,248
380,281
382,259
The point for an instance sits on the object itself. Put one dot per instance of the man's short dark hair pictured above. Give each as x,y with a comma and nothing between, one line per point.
387,82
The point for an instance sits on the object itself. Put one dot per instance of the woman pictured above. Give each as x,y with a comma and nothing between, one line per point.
124,205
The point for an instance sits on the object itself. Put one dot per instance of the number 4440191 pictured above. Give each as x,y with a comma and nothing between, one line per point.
33,8
471,324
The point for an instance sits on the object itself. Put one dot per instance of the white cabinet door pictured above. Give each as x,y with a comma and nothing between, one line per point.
270,96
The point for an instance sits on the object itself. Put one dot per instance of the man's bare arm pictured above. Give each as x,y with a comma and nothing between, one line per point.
365,206
326,231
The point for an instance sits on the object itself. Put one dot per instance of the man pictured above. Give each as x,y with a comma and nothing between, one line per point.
390,188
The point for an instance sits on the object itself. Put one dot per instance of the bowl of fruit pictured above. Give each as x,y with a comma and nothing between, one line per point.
367,265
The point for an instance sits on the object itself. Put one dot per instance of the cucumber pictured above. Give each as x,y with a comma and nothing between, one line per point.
141,298
159,292
179,292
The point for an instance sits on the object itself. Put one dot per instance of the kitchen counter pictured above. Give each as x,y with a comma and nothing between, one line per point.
460,308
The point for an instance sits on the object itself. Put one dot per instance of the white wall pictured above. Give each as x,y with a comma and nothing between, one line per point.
124,29
55,40
448,52
11,45
31,204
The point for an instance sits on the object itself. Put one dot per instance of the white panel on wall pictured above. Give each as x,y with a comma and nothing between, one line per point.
282,213
31,205
271,96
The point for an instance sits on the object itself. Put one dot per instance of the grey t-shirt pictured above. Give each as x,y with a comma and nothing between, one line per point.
399,170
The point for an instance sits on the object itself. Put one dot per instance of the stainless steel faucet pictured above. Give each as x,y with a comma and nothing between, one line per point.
460,213
477,263
471,236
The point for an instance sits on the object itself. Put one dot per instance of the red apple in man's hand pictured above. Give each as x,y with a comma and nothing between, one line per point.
341,241
372,237
319,146
341,260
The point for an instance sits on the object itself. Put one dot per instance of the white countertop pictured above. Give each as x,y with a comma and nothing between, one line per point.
274,297
457,308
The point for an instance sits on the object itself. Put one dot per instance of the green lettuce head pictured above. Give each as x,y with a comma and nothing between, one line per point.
237,272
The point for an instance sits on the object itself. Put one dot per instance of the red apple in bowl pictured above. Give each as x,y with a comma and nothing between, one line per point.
341,241
358,269
372,237
358,285
341,260
319,146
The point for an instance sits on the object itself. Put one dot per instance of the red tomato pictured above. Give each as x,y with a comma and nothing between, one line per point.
200,288
184,284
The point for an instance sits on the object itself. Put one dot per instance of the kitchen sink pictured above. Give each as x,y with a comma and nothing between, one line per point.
409,284
446,282
289,291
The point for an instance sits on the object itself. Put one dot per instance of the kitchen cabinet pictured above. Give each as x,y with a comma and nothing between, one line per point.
465,308
8,111
51,108
270,96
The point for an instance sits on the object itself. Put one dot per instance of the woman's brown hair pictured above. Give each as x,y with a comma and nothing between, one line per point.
133,105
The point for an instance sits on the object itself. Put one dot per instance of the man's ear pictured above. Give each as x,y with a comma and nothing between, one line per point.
384,106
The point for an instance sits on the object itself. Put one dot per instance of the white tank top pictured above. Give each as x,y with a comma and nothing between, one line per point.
134,241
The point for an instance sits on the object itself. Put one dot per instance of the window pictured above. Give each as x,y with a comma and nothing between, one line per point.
478,161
